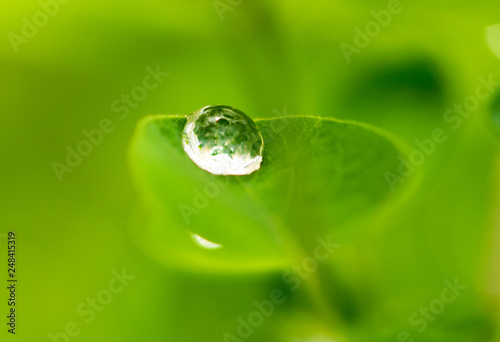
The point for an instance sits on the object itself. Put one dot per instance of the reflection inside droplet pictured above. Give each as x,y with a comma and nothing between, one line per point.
223,140
205,243
493,38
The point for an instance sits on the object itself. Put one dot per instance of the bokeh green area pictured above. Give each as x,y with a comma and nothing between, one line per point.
266,58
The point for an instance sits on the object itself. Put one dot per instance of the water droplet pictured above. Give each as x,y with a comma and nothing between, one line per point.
204,242
223,140
493,38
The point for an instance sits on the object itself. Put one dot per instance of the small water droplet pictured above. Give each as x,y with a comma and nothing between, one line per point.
223,140
204,242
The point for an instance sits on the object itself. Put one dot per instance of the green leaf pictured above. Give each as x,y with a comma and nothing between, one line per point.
317,176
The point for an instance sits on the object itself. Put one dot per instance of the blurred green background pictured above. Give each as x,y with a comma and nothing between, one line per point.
263,57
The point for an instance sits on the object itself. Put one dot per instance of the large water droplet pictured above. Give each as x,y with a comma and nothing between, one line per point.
223,140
